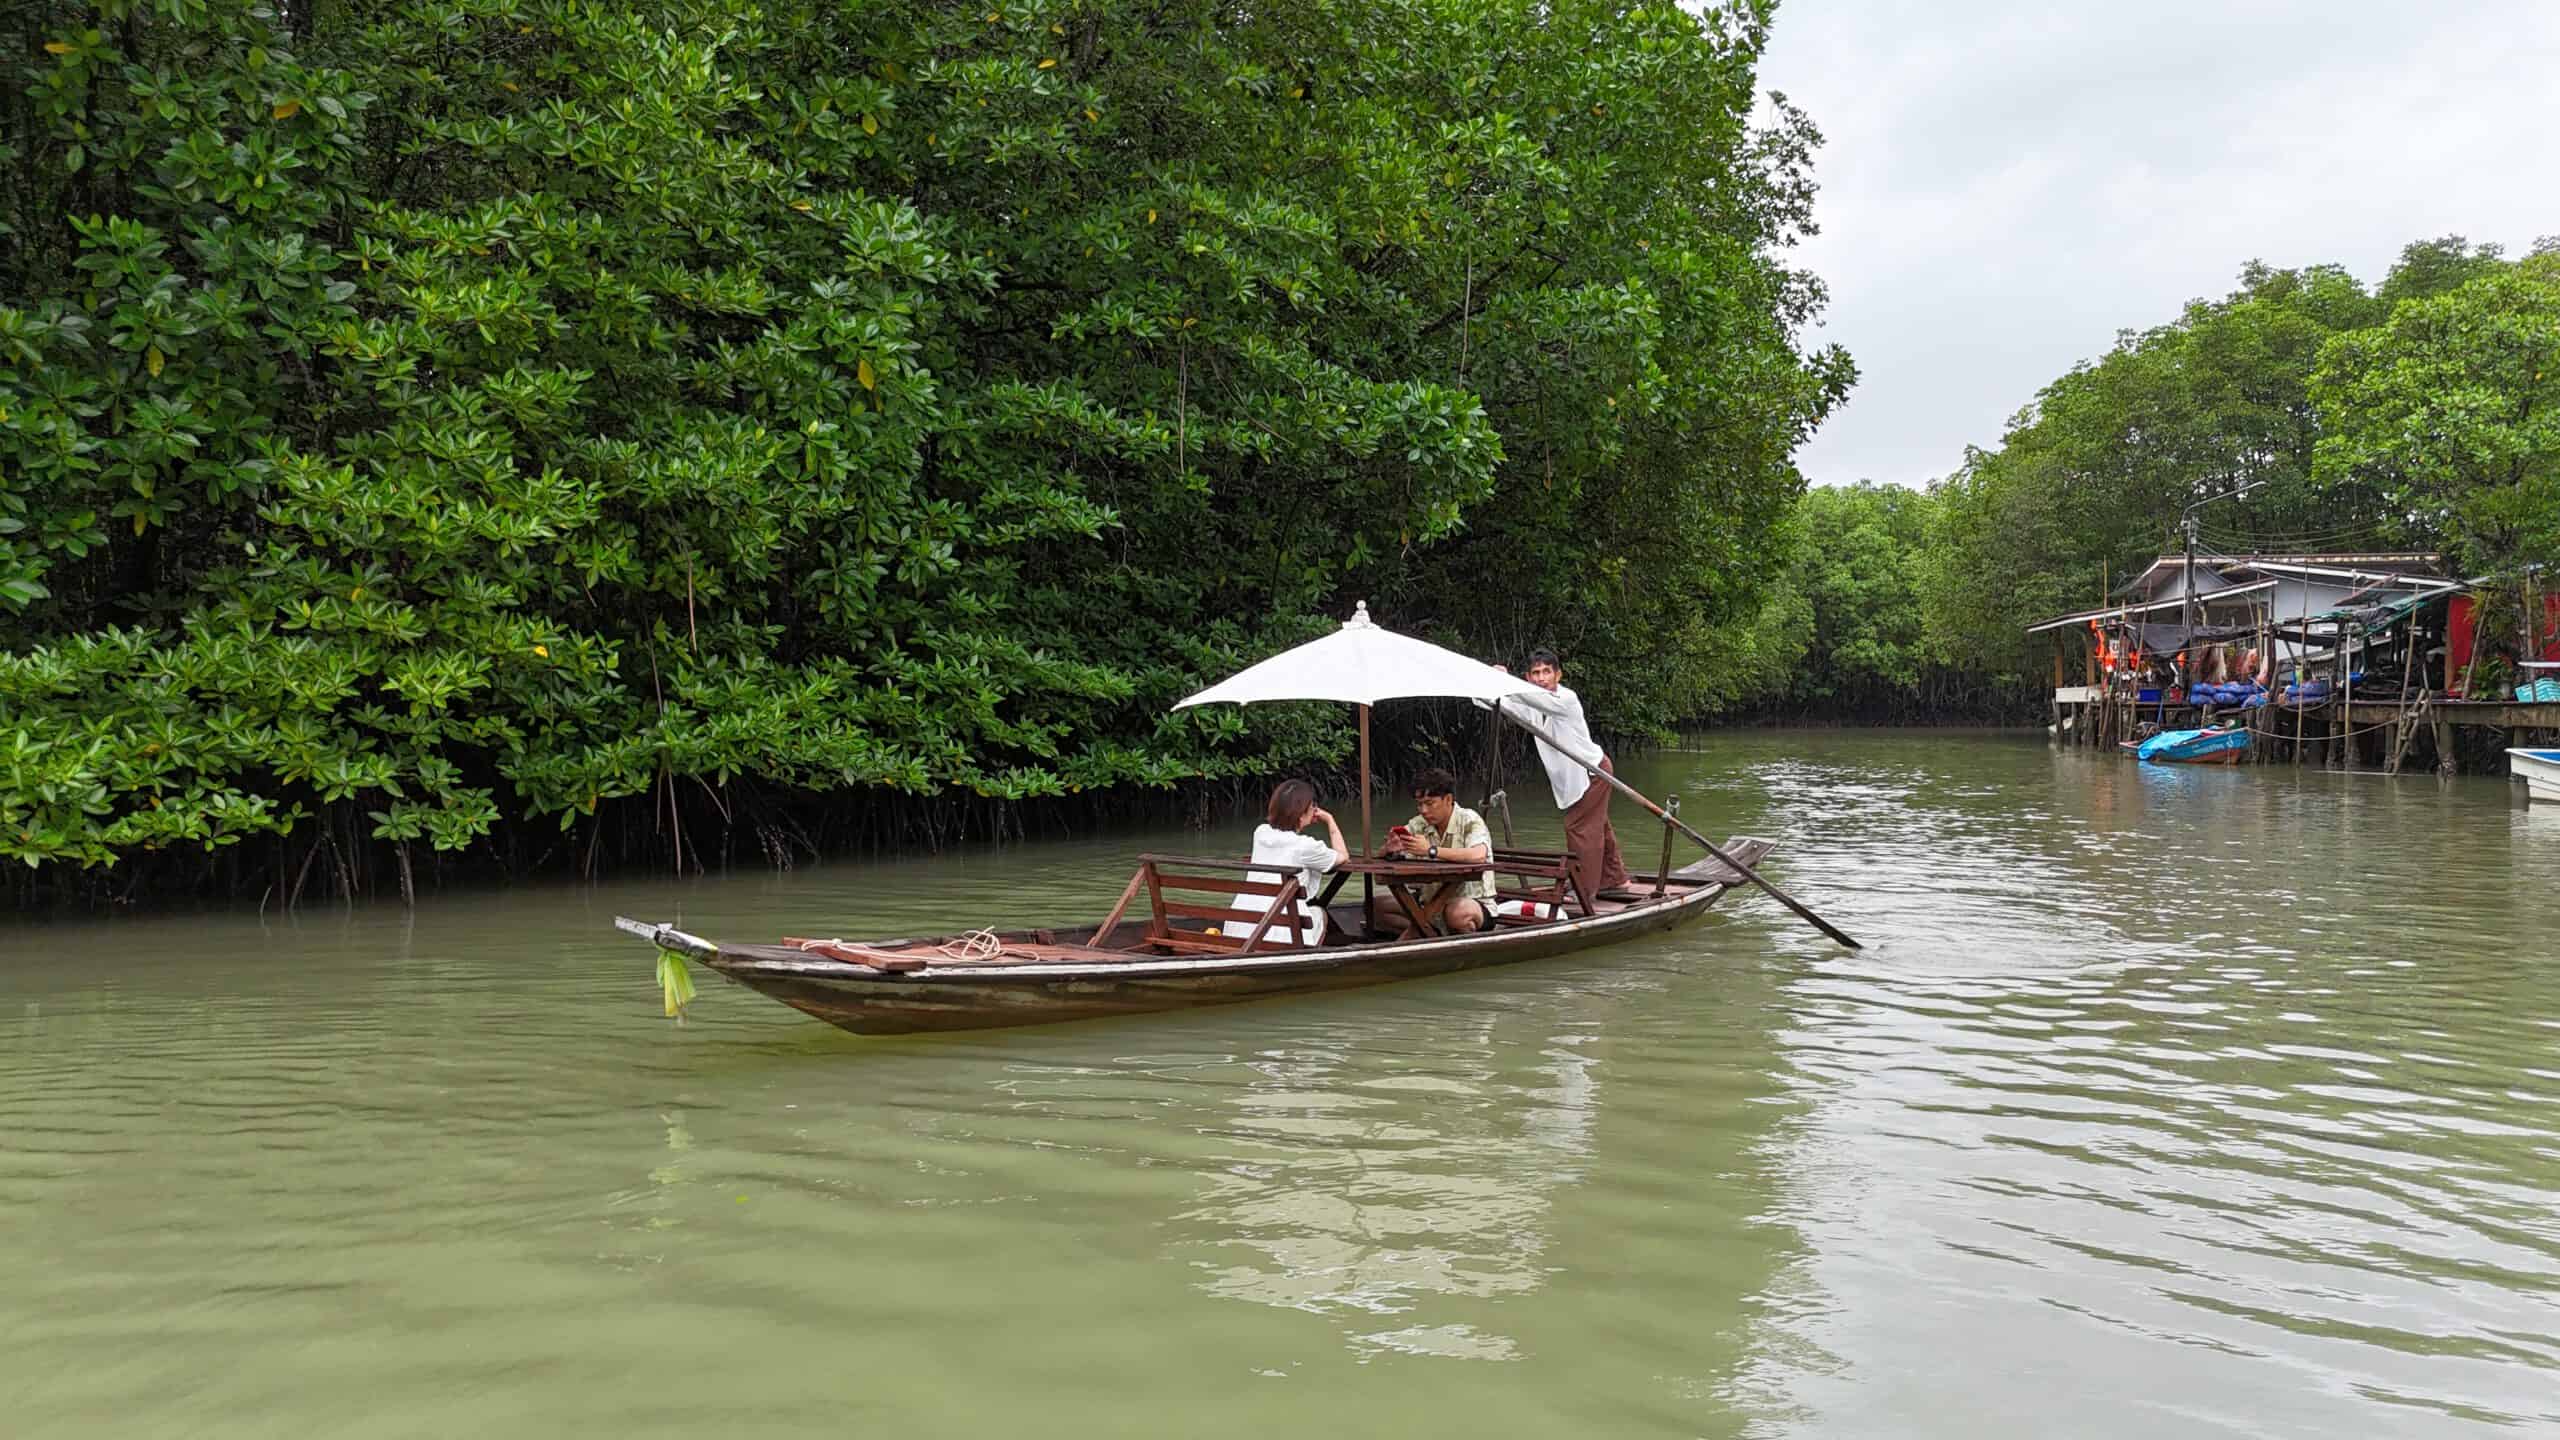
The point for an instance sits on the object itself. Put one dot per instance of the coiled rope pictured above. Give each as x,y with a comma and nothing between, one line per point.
976,945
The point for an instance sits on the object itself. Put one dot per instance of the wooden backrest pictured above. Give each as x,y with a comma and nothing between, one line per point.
1288,929
1541,876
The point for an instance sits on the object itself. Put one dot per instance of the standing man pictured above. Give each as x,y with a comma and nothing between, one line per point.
1565,745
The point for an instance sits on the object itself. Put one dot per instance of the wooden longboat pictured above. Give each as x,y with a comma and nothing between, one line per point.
1173,956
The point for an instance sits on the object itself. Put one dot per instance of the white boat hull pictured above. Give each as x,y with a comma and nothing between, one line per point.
2540,772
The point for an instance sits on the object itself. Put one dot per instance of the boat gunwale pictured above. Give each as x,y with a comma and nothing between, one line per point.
1700,895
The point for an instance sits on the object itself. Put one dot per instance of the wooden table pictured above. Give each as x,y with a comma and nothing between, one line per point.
1405,879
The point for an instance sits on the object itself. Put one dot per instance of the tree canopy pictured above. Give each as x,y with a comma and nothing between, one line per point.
2451,408
2410,415
441,417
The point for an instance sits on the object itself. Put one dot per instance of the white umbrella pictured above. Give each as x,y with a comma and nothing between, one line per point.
1361,664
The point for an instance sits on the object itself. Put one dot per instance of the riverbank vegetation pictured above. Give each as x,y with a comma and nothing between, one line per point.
514,435
2422,413
548,435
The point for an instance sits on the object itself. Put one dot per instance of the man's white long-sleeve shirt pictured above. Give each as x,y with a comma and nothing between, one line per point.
1564,739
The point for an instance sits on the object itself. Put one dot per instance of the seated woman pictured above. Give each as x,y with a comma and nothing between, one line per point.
1445,830
1276,841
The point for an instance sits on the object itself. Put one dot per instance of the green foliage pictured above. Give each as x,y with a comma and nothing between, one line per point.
457,413
2428,268
1646,487
2452,407
1841,635
2423,415
1855,553
2006,549
2089,482
1751,660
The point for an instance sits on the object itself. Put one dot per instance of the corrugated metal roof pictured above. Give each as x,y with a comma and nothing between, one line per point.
2124,611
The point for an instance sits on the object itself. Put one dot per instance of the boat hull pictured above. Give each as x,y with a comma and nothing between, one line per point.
2191,747
920,1002
980,997
2540,772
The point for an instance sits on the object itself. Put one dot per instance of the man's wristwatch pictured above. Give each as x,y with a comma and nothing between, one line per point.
1435,852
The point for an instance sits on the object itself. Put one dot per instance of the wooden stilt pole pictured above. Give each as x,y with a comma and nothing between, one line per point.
2302,662
1670,808
2406,727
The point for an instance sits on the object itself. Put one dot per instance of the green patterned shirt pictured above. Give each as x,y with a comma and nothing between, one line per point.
1466,828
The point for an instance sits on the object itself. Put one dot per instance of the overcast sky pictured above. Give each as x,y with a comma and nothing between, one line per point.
2005,185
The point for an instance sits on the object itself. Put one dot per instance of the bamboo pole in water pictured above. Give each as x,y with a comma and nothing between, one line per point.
1670,808
2404,726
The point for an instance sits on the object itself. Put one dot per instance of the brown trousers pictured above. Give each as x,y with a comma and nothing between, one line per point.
1597,865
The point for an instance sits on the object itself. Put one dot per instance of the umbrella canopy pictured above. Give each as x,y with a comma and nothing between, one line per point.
1361,664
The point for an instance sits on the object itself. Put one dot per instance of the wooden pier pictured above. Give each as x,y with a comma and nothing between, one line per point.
2379,734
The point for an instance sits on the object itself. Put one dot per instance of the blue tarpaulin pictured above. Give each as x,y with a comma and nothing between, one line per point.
2173,745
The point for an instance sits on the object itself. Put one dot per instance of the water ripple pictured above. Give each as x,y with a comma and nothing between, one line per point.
2158,1104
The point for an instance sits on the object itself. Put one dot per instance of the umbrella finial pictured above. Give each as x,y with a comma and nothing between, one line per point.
1360,616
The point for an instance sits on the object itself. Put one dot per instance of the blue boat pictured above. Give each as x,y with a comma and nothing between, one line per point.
2217,746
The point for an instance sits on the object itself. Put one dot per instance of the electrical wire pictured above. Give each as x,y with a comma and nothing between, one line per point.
2266,543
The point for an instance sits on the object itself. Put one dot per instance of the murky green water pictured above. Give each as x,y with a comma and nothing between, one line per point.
2165,1102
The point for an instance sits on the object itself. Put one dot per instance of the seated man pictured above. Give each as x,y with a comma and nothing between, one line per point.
1444,830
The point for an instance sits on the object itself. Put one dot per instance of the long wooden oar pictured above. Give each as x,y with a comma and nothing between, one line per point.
1781,896
1675,822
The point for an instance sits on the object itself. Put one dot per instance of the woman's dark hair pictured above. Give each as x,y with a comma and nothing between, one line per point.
1433,782
1290,800
1543,656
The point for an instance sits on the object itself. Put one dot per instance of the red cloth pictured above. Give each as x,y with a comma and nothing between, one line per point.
2460,623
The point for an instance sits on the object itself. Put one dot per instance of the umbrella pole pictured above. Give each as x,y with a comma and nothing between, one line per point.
1366,899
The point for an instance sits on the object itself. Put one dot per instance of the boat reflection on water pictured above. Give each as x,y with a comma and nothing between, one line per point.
1361,1196
1409,1175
